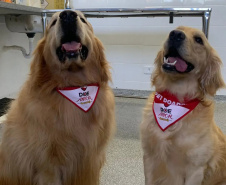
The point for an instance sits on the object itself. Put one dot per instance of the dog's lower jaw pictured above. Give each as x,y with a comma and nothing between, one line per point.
75,67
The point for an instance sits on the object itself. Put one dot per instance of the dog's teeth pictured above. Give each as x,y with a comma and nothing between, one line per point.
165,60
172,64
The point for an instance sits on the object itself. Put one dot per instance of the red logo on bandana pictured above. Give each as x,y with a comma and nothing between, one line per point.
84,88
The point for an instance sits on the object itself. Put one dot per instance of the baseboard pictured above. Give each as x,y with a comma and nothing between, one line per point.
129,93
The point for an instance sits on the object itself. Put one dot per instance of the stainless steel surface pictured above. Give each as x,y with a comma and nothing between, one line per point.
67,4
44,21
7,8
143,11
140,12
206,22
148,12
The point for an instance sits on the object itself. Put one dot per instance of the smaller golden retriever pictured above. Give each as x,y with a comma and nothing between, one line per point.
181,143
57,130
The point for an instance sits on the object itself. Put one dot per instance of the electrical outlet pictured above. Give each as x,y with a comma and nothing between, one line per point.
147,70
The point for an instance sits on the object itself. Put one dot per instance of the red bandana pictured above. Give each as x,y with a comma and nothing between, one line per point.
168,110
82,97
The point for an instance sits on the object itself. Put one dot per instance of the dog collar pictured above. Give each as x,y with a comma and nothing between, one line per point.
168,110
83,97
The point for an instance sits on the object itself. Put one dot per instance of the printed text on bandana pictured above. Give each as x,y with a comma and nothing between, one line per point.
82,97
168,110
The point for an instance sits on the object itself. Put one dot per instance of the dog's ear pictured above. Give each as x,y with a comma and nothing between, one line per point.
39,71
158,64
38,56
212,80
104,72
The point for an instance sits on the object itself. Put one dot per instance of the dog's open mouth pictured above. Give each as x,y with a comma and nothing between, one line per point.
72,49
173,62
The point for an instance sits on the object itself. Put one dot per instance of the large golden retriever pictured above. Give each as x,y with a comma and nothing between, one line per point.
181,143
56,131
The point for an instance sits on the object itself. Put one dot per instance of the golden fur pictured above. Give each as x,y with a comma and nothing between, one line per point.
48,140
193,151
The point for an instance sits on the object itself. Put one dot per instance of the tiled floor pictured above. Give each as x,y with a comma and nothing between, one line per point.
124,157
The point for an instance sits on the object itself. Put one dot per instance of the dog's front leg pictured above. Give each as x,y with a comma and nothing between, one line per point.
194,175
148,170
156,173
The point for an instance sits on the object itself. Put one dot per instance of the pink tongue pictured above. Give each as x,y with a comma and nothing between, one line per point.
71,46
181,65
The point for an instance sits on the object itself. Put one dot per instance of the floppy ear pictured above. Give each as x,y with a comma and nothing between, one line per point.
157,70
104,72
212,80
38,60
40,74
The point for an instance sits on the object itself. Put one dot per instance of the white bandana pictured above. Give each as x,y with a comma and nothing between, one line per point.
168,110
82,97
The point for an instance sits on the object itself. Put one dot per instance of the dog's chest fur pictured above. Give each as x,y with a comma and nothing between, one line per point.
51,131
184,143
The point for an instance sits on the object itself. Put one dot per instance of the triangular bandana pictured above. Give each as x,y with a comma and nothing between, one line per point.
168,110
82,97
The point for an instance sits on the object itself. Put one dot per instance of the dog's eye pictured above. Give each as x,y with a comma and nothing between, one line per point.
199,40
53,23
83,20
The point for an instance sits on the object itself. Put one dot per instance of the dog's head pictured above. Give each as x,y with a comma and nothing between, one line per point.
71,51
188,64
70,37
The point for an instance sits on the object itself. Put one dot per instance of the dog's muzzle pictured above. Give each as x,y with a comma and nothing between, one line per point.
176,38
173,62
71,46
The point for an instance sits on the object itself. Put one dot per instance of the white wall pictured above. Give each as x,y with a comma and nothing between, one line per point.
14,68
131,43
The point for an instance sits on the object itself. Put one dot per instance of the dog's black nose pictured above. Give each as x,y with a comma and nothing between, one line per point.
68,16
176,35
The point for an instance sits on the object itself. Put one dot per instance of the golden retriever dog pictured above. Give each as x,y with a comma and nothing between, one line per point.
181,143
57,130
